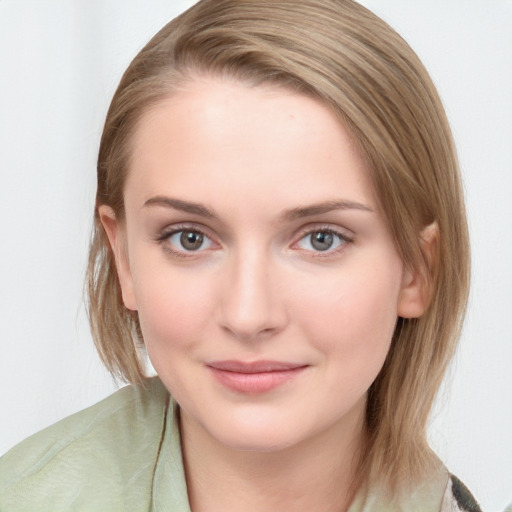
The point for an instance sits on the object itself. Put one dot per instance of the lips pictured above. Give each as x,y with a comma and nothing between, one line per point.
254,377
254,366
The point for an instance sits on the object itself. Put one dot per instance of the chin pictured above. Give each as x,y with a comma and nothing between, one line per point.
257,442
257,433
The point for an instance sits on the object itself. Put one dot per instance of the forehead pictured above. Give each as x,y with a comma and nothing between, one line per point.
224,137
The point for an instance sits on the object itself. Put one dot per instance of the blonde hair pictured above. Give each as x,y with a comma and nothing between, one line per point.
350,60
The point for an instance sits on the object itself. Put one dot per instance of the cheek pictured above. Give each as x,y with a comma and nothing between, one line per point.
173,308
351,320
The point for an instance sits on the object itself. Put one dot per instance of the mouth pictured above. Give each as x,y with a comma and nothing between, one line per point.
254,377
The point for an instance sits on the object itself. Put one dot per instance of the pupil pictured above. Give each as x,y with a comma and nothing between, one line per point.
191,240
321,240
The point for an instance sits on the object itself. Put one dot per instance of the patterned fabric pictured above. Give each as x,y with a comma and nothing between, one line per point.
458,498
120,455
124,454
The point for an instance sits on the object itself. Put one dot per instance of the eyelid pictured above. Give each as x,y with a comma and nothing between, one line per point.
314,227
345,235
170,230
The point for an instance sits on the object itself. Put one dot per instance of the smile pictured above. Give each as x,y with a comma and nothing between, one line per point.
254,377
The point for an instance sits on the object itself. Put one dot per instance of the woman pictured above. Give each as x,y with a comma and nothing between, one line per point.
279,222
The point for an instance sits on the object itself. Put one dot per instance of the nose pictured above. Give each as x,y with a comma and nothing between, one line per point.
252,305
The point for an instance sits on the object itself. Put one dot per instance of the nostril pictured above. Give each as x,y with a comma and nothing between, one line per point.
248,334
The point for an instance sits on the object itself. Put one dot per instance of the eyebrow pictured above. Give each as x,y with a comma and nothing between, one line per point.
288,215
178,204
324,207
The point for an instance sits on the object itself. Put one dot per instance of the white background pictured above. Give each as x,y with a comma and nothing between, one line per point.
60,61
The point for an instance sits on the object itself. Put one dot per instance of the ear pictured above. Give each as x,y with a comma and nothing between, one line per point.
416,290
117,239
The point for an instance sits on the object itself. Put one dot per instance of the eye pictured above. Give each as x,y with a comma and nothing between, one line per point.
324,240
188,240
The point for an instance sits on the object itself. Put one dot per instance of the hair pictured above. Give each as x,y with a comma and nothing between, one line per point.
347,58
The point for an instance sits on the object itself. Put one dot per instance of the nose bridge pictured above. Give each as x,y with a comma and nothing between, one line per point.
251,305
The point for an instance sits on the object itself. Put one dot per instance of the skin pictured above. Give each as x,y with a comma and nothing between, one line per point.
258,288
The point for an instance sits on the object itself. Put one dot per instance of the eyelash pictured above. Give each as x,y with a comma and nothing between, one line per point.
343,237
164,237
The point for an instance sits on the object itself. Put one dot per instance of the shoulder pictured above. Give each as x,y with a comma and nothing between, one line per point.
95,452
458,498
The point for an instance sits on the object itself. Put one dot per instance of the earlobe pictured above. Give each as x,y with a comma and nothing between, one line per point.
116,237
416,291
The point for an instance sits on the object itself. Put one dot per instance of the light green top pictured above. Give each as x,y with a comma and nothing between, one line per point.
123,454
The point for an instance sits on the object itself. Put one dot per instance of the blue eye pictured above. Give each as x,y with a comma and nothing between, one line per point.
188,240
322,241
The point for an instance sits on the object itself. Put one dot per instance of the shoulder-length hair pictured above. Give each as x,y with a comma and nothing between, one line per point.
341,54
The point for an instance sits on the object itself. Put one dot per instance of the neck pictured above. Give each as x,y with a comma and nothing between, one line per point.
318,474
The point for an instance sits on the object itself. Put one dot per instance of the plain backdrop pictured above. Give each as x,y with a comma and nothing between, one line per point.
60,61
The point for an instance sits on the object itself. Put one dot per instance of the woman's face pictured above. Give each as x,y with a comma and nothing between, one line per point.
265,278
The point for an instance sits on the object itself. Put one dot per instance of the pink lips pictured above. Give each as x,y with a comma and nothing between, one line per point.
254,377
